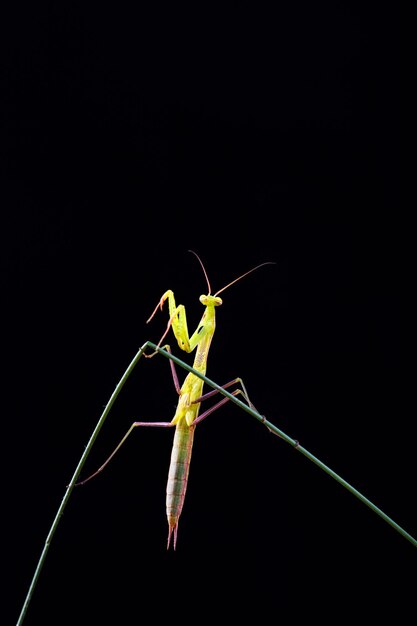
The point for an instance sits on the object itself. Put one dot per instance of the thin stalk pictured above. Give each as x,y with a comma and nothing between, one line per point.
271,427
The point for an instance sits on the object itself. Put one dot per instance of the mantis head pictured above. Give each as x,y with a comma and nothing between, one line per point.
210,300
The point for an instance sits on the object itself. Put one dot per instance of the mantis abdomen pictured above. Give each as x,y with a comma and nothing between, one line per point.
178,475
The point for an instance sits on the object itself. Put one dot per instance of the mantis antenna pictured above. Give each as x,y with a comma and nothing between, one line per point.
204,270
233,281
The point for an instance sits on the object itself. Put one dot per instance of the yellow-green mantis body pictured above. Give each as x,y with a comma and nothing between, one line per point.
190,395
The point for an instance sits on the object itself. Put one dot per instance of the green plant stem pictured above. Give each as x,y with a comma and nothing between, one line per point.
274,429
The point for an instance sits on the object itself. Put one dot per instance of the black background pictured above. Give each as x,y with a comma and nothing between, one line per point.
247,135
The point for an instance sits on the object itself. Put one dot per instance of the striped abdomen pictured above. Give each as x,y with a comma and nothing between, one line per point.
178,475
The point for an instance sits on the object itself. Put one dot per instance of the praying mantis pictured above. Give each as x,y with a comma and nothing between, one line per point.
190,394
187,417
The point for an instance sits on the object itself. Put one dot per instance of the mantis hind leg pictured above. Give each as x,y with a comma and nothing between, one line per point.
235,381
224,400
219,404
134,425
